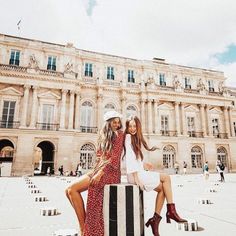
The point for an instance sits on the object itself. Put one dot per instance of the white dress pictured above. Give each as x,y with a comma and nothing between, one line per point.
150,179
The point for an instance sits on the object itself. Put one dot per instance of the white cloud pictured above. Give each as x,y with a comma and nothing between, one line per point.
181,31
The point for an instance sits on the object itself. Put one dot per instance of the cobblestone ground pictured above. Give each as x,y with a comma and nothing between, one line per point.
20,214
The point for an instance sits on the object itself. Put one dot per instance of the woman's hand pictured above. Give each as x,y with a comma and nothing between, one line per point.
140,184
96,178
148,166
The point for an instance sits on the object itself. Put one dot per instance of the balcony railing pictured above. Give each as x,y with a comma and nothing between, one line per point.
221,135
132,85
9,124
47,126
169,133
194,134
13,67
88,129
112,83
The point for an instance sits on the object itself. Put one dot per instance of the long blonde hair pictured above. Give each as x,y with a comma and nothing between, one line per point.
106,136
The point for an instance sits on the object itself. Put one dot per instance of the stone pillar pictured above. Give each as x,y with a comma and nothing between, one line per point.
150,131
100,120
34,107
71,109
63,109
184,128
77,110
203,121
156,117
25,105
123,109
231,122
177,118
226,119
143,120
209,121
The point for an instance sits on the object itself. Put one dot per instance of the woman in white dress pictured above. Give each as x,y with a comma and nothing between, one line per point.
147,180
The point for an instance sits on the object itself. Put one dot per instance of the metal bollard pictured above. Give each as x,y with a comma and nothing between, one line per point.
123,210
191,225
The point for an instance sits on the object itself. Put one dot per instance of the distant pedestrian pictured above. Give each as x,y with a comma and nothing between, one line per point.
1,168
220,167
185,167
206,170
49,171
79,170
61,170
176,167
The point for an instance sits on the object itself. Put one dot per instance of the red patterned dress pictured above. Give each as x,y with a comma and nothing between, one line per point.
94,225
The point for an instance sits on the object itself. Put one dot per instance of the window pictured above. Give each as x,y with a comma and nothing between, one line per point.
187,82
8,114
191,126
110,73
88,69
196,157
222,155
164,125
215,127
15,58
162,79
168,157
87,156
86,116
51,63
109,107
131,111
48,116
211,86
131,76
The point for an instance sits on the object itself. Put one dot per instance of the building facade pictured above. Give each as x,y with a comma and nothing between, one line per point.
53,97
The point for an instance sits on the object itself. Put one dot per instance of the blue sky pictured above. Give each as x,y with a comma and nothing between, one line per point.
198,33
228,56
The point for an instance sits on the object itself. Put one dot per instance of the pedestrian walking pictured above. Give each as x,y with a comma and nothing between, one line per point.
206,170
61,170
185,168
220,167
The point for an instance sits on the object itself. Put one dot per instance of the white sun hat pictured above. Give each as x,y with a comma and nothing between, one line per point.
111,114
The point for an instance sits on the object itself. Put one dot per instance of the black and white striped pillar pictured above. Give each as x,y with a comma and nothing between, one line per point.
123,210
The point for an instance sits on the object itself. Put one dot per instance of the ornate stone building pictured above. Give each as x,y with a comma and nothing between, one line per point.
53,97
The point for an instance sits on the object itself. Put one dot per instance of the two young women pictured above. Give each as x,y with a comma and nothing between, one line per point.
110,146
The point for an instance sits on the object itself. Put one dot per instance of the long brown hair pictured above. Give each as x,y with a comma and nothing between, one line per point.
106,136
137,140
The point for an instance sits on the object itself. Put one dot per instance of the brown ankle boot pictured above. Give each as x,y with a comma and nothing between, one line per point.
172,214
154,222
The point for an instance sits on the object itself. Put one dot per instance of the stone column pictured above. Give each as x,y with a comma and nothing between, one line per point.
34,107
77,110
209,121
143,120
203,121
177,118
123,109
100,120
71,109
226,119
25,105
150,131
63,109
156,117
184,129
231,122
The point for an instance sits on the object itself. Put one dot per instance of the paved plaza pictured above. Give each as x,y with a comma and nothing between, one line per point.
20,214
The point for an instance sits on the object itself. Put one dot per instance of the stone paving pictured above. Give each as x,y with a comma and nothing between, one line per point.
20,214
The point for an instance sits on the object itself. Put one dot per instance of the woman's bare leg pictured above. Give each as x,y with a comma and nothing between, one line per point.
73,193
166,183
160,199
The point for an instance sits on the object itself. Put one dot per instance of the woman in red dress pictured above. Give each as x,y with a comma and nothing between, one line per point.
106,171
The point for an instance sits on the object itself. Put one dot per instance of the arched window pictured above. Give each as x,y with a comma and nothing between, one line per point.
168,156
86,114
222,155
131,111
109,107
196,157
87,156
